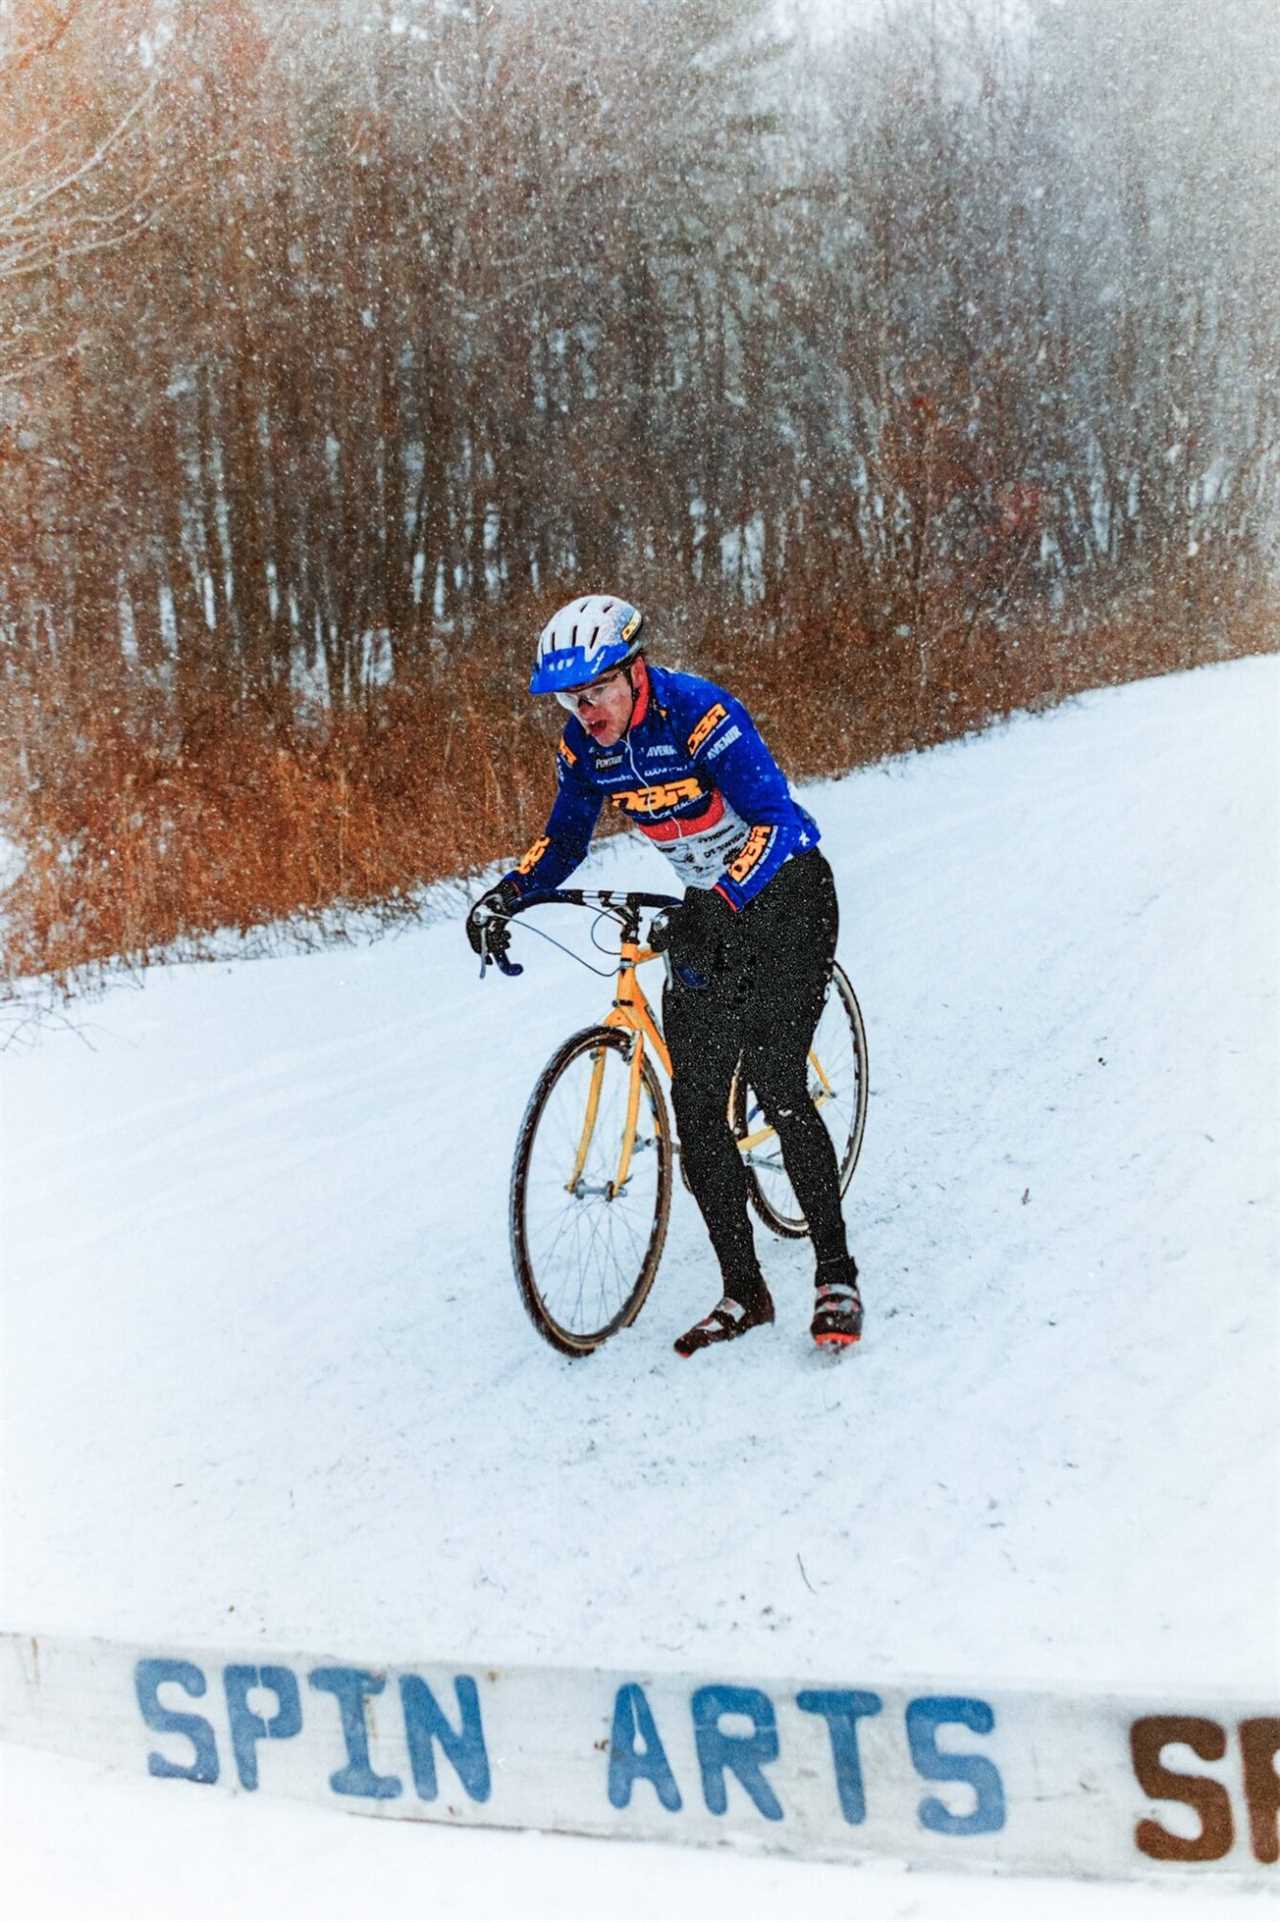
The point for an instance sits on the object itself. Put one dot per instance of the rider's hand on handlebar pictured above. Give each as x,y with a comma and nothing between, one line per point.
487,929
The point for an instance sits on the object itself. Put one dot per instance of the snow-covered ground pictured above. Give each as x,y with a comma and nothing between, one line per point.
79,1844
267,1378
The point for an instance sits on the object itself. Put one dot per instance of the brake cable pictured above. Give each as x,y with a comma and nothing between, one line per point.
601,914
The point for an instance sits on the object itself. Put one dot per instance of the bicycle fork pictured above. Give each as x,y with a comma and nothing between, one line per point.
589,1119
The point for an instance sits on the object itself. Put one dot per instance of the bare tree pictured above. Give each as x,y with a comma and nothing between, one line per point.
77,80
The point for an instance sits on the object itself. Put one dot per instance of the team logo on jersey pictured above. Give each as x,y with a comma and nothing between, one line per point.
534,855
753,849
648,800
709,722
568,753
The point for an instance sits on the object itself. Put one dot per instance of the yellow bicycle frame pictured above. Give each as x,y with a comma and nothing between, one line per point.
631,1011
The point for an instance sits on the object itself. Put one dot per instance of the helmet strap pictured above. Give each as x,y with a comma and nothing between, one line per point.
635,690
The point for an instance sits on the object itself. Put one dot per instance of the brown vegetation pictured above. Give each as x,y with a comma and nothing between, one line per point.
941,391
131,850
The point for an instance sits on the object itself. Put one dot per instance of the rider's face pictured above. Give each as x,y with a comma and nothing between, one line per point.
605,708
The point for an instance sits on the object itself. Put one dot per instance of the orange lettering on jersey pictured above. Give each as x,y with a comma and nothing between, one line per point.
752,849
534,855
567,752
709,722
647,800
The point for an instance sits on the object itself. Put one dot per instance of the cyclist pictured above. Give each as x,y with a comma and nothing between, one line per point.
750,949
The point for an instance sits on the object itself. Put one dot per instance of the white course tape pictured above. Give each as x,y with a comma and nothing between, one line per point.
945,1777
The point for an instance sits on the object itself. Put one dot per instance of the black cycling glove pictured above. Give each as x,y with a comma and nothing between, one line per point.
487,928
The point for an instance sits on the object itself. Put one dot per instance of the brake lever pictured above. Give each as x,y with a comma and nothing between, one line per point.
511,968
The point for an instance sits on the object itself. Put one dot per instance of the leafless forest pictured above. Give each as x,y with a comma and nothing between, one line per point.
906,375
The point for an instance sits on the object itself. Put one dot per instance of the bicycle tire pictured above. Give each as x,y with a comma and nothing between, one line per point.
552,1257
770,1201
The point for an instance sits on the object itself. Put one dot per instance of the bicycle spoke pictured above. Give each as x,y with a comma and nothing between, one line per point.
585,1250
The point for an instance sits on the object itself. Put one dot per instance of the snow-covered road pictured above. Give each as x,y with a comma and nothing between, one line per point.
267,1377
273,1373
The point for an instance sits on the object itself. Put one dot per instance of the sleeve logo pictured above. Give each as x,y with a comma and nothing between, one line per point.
753,849
707,725
567,752
535,854
726,740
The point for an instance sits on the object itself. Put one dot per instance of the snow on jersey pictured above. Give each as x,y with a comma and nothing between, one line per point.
693,776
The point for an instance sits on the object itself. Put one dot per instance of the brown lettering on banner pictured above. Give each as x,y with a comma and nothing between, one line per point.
1148,1737
1260,1747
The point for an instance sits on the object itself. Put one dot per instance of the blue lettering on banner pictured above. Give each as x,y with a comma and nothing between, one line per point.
745,1755
351,1686
148,1679
248,1729
425,1722
636,1749
633,1717
924,1717
841,1708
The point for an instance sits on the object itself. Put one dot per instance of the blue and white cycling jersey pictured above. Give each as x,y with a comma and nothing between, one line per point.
693,776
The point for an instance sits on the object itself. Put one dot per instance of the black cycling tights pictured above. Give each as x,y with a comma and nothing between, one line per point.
762,1006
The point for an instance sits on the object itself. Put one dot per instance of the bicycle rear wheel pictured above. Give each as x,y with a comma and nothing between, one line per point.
589,1218
838,1088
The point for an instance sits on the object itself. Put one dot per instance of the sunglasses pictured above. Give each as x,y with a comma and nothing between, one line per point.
574,698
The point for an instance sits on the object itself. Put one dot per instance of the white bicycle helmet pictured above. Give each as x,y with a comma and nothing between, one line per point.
586,639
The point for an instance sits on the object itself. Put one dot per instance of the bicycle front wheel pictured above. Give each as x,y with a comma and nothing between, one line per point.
590,1190
838,1088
